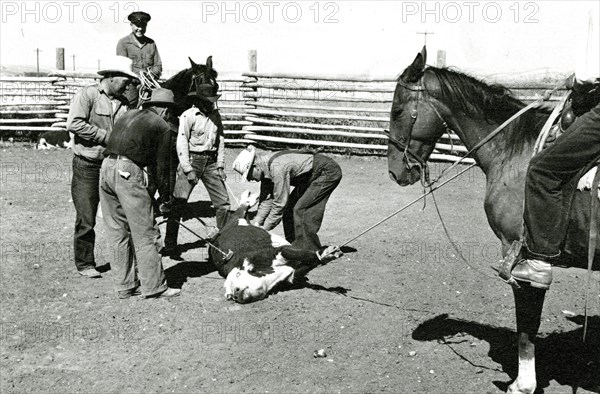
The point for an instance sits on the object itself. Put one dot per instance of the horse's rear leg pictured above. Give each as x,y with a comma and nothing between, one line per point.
529,302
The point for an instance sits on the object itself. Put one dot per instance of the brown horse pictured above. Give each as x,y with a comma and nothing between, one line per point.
181,84
429,101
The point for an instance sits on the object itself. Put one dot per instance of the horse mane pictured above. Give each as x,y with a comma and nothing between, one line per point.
492,102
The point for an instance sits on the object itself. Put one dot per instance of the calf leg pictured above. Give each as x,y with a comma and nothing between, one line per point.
291,253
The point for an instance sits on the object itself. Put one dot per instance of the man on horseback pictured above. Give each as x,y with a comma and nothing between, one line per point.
546,205
141,50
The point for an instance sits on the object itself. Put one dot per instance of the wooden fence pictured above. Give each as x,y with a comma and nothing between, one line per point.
345,114
30,105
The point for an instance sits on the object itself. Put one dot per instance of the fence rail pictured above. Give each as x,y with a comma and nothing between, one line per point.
340,113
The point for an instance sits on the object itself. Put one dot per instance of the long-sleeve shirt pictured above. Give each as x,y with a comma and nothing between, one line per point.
144,137
200,133
142,52
281,171
91,118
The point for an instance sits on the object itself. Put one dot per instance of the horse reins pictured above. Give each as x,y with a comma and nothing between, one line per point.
449,130
423,167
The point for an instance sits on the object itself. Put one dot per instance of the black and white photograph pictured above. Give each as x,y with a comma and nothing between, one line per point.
300,196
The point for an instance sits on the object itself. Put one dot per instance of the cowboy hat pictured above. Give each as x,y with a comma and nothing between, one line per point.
160,96
244,161
119,65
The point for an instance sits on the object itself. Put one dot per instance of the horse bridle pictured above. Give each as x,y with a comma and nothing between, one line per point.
405,147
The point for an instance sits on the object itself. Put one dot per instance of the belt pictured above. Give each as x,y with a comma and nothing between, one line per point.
205,153
120,157
123,158
93,161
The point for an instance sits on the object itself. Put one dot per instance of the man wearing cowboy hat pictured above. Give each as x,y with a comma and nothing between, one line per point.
201,153
141,50
91,117
314,177
139,139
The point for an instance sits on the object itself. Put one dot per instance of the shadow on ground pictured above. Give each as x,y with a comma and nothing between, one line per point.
560,356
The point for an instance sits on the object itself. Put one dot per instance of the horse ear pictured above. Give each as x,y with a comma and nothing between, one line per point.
424,54
194,65
414,72
209,62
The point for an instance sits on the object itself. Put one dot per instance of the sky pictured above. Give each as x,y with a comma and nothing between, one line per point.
376,38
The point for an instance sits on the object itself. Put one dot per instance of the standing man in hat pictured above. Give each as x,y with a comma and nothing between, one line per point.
138,140
201,153
91,117
314,177
141,50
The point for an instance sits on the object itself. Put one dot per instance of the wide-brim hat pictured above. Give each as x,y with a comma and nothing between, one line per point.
139,18
119,65
162,97
244,161
206,92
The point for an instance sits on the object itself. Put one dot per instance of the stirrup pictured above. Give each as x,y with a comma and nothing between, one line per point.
508,263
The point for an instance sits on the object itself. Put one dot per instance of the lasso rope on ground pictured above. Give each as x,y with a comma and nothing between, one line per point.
432,189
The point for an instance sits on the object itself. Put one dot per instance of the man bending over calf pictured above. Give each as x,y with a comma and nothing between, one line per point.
260,260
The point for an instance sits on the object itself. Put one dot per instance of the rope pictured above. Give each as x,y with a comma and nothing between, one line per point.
497,130
432,189
458,252
149,83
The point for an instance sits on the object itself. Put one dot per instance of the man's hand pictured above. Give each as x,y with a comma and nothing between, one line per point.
222,174
329,254
248,198
192,177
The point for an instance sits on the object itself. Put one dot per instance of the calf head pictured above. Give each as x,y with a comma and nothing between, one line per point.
247,284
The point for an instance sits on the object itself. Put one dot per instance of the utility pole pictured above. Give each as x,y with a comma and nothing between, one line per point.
73,56
37,53
425,34
98,64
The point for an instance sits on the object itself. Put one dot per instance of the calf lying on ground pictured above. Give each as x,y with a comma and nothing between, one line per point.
54,139
260,260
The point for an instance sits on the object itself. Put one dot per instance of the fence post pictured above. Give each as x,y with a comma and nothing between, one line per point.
252,67
441,58
60,58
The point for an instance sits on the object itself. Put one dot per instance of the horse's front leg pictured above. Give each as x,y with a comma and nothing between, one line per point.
529,302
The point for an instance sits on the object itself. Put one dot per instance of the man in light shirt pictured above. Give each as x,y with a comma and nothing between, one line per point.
91,117
201,153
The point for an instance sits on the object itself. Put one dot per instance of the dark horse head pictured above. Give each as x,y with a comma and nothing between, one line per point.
186,81
182,84
430,101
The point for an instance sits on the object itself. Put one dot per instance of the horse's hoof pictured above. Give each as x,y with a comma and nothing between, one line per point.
515,388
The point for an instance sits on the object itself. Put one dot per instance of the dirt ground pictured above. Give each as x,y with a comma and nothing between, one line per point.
398,313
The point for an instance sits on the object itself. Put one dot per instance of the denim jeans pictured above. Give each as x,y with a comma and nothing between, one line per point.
305,209
85,195
546,203
205,167
132,235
